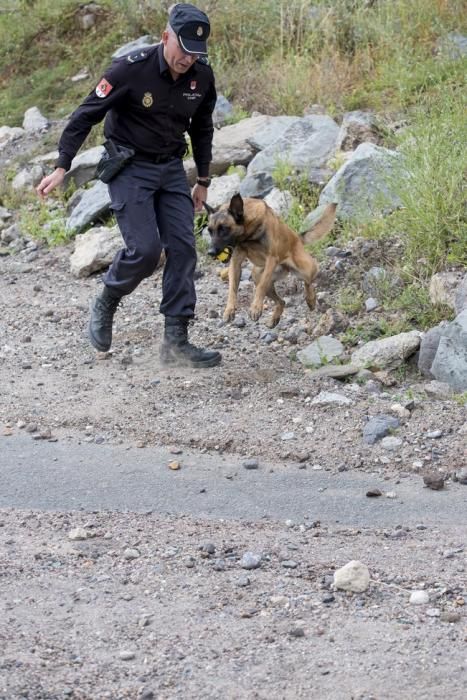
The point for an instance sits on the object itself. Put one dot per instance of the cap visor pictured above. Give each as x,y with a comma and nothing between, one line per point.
195,47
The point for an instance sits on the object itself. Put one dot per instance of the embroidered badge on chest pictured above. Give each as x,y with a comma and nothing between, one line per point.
148,99
193,85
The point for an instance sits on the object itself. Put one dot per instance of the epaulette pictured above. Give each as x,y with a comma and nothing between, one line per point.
204,60
137,57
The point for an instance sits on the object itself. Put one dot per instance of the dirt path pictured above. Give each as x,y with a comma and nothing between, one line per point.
158,604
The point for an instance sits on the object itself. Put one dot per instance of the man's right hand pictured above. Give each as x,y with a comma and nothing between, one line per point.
50,182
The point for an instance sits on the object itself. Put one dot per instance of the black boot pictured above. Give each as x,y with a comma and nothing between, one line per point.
176,350
102,313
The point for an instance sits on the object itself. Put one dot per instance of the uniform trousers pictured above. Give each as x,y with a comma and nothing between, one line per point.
154,211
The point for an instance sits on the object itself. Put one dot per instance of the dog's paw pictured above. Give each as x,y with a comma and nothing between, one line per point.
255,311
229,314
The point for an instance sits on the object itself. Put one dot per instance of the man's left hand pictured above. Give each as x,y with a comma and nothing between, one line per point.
199,195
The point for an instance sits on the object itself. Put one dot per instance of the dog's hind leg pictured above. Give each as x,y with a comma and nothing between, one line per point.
306,267
271,294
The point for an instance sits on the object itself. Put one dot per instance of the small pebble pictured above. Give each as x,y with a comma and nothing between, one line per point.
419,598
250,561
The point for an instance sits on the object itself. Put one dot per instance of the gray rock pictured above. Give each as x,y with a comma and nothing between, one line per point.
387,353
306,144
356,128
5,215
321,351
371,304
362,187
378,427
8,134
83,166
222,189
354,577
34,121
250,561
460,299
141,43
270,131
419,598
95,250
391,443
279,201
222,111
378,281
327,398
453,45
443,288
257,185
27,178
450,363
429,347
94,204
251,464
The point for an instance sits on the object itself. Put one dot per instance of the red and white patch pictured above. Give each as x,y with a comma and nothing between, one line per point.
103,88
193,85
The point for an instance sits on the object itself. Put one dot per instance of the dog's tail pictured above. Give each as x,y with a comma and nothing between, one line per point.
322,226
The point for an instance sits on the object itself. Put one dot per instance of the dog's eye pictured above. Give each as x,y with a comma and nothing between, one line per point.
223,231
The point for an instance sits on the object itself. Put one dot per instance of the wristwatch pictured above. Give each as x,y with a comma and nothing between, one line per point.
203,181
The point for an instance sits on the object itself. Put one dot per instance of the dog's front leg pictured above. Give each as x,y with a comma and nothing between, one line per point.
235,271
264,282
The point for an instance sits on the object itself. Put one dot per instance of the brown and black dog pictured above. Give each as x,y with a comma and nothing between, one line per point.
249,228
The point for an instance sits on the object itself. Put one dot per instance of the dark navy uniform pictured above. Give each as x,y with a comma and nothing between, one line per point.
146,110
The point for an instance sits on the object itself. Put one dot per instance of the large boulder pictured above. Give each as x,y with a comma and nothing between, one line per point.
387,353
95,250
450,362
34,120
362,187
83,166
222,189
305,146
93,206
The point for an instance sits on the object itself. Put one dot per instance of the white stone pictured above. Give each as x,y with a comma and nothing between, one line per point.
77,533
326,398
419,598
354,577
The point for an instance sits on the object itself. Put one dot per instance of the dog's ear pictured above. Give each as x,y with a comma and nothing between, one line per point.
236,208
209,209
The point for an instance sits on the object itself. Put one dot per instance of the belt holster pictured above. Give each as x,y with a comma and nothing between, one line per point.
113,160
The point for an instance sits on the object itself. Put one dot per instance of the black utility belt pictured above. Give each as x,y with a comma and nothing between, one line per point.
157,159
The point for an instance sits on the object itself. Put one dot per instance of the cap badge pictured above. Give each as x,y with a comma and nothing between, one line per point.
147,99
199,31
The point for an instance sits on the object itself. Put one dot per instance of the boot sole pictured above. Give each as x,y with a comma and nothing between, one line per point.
98,346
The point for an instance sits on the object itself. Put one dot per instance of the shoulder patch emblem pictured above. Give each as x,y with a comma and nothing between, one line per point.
103,88
147,99
136,57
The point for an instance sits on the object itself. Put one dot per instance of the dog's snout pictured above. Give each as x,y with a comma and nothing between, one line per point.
212,251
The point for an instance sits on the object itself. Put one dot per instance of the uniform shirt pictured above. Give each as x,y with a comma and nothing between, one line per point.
147,110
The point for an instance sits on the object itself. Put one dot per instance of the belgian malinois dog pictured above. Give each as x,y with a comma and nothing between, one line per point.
249,228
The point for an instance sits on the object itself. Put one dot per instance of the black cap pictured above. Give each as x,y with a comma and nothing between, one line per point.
191,27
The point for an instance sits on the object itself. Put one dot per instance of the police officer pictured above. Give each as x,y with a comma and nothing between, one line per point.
149,100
